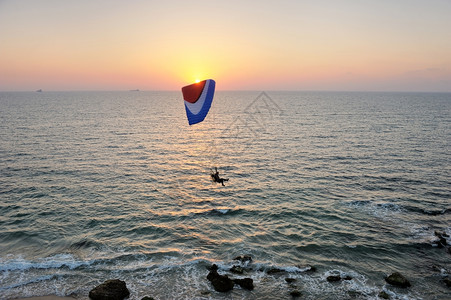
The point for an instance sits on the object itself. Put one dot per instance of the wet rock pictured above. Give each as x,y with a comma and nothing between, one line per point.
383,295
397,279
441,243
148,298
244,258
441,234
221,283
437,244
113,289
441,239
312,269
295,294
333,278
213,267
237,270
213,272
347,277
274,271
447,281
245,283
449,250
290,280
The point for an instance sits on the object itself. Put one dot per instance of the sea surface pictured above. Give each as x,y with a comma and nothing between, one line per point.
104,185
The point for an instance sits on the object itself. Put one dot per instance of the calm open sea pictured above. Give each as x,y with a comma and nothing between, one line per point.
103,185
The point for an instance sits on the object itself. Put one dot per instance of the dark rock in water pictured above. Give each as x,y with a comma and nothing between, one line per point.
290,280
274,271
441,234
449,250
441,239
312,269
114,289
148,298
333,278
213,267
447,281
295,293
383,295
398,280
221,283
244,258
213,272
441,242
437,244
245,283
237,270
347,277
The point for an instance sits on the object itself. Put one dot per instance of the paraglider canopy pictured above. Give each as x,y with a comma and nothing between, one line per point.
198,98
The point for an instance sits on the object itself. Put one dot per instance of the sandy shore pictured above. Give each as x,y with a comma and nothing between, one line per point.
46,298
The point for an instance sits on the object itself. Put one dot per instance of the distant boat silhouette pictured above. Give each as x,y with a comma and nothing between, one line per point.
39,91
137,90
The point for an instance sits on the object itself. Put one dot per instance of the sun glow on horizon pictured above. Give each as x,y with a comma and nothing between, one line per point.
308,47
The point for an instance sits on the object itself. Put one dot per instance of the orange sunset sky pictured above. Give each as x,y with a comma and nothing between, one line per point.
384,45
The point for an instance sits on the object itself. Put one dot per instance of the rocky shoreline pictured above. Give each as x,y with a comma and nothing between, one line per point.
224,280
52,297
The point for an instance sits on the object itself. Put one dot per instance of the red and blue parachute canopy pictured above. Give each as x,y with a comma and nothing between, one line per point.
198,98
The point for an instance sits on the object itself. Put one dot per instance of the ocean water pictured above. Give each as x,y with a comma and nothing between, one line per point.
103,185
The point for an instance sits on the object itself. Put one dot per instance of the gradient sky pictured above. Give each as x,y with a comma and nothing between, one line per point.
390,45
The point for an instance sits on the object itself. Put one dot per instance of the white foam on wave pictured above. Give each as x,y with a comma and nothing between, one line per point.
221,210
358,287
422,233
426,234
383,210
40,276
315,285
175,278
398,215
13,263
182,278
343,274
26,282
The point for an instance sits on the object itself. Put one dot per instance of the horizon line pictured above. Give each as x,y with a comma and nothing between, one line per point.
231,90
